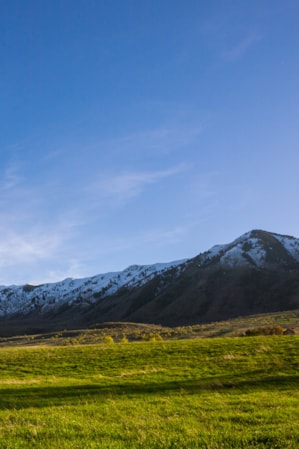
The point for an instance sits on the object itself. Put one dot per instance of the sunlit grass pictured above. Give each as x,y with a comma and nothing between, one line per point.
212,393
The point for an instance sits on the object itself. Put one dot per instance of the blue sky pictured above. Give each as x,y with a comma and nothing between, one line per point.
143,131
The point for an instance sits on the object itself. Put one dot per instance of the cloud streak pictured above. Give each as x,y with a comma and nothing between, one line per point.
241,47
122,187
23,246
159,140
11,178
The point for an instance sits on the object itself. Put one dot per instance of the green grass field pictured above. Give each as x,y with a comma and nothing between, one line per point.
201,393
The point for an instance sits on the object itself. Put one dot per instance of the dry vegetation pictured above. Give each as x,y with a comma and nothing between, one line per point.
279,323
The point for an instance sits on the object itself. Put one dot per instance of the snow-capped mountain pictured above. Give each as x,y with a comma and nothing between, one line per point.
258,272
256,248
27,298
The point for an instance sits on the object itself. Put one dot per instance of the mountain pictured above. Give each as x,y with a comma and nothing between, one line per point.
73,292
256,273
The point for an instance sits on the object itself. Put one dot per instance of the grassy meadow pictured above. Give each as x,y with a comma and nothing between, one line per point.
190,393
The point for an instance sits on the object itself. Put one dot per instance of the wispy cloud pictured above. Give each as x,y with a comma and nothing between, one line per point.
122,187
228,36
242,46
11,178
24,246
52,155
18,248
159,140
29,235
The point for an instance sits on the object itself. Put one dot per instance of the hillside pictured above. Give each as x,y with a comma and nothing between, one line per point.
256,273
278,323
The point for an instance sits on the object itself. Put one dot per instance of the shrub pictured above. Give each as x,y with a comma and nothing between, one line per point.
108,339
155,337
265,330
158,337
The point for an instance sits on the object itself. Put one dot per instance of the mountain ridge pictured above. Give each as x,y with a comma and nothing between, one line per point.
256,273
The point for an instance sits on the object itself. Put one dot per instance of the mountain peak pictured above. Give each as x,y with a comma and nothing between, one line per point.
256,248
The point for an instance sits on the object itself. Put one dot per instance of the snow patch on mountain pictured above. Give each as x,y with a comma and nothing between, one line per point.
251,249
27,298
240,255
291,244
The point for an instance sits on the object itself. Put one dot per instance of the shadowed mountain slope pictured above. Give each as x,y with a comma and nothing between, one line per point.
257,273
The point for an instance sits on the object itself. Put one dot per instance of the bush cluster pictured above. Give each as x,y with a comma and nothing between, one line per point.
266,330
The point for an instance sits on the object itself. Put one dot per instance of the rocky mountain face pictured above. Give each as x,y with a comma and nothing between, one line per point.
256,273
